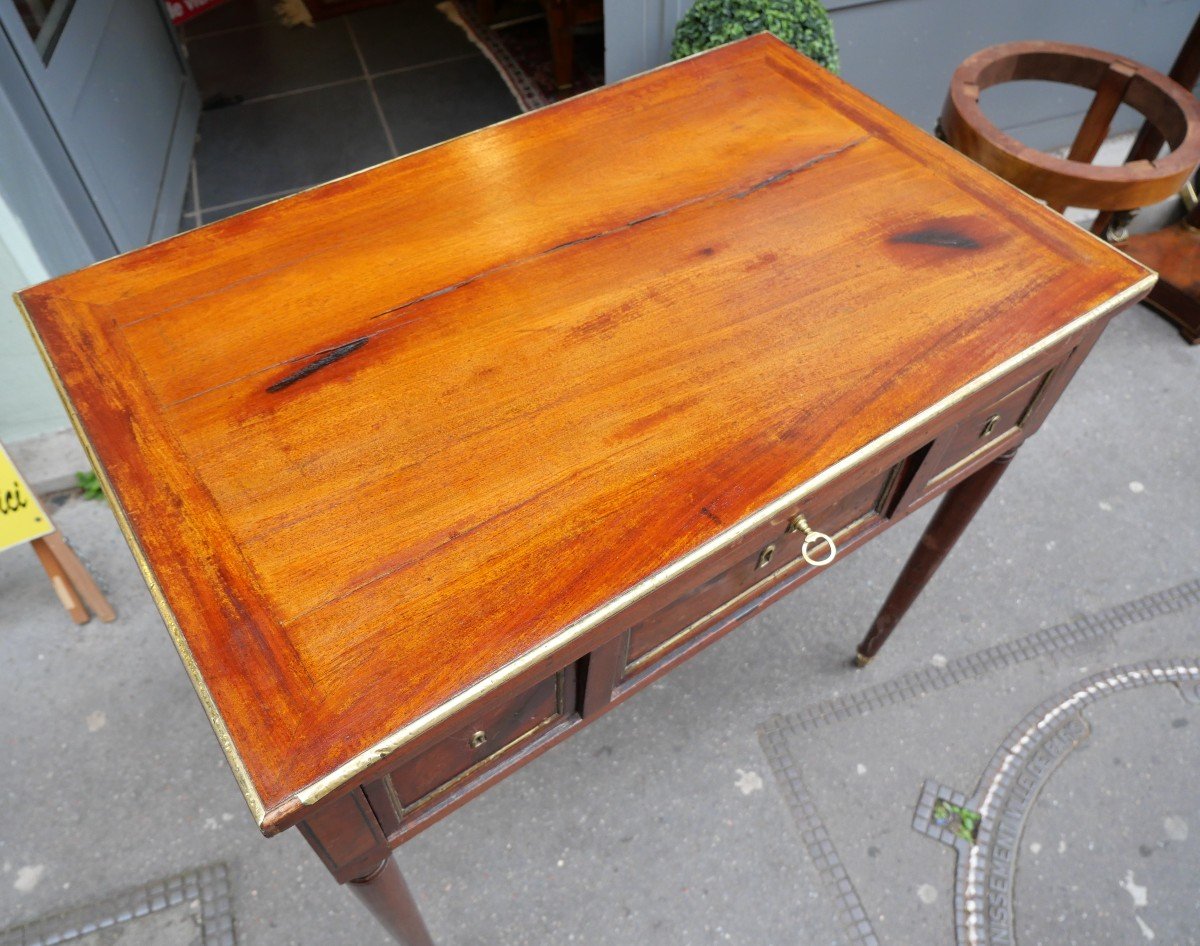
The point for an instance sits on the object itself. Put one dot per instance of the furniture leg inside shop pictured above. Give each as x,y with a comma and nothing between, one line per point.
461,457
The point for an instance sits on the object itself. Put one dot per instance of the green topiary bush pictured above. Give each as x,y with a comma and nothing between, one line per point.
803,24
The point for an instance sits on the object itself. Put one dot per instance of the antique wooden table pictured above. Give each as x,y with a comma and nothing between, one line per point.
430,466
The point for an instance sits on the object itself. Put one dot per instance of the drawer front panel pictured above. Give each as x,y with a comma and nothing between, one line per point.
983,428
489,736
646,636
840,517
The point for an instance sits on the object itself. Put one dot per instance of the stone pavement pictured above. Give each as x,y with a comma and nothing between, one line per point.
193,909
691,814
1099,776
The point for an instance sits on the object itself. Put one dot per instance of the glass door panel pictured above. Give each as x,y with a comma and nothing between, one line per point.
45,20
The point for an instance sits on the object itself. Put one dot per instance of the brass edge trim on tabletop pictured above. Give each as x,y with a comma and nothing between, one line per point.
181,645
318,789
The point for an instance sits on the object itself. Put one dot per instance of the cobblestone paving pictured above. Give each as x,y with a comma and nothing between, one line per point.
985,882
191,909
1026,759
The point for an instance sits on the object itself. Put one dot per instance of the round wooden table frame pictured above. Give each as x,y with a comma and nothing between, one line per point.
1073,181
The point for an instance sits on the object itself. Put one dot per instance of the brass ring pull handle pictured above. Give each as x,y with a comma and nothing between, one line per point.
811,539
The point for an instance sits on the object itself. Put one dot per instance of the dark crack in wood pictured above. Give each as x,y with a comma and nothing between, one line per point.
790,172
723,194
325,360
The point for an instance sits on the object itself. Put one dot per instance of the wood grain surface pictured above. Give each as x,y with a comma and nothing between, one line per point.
382,439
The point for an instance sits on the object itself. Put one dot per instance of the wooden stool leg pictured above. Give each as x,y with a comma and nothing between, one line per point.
385,893
80,577
953,516
1090,136
60,582
1149,140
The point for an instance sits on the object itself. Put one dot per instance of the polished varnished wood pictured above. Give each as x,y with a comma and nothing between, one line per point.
400,442
348,838
758,563
1174,252
497,729
385,893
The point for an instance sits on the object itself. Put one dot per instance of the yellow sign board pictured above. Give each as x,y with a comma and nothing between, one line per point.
21,518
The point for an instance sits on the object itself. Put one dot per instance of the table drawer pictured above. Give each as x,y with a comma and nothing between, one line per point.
984,427
490,735
840,517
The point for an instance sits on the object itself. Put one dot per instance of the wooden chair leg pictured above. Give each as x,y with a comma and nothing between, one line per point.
60,582
80,577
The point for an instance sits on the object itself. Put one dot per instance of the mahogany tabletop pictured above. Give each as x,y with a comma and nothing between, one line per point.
385,443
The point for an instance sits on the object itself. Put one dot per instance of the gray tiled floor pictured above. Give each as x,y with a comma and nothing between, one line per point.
291,108
452,99
271,145
407,34
270,59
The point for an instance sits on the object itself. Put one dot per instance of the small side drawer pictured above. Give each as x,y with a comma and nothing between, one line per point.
991,423
489,736
841,516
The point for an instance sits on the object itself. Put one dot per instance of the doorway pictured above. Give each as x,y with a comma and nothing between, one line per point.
287,108
110,77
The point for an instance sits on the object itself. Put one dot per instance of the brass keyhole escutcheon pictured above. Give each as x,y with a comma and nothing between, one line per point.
765,556
990,425
478,739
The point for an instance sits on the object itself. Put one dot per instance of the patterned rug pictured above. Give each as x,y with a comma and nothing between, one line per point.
518,45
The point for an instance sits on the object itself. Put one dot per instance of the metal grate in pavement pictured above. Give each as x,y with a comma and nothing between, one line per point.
774,732
205,889
984,879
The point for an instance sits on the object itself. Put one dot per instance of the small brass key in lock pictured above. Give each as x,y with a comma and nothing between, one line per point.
811,538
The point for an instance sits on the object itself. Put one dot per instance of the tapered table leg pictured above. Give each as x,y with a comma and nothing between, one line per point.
385,893
346,834
953,516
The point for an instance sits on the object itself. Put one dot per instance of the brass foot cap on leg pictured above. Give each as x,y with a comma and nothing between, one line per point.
860,660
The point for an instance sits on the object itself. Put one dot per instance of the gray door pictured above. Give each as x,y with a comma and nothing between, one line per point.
114,84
